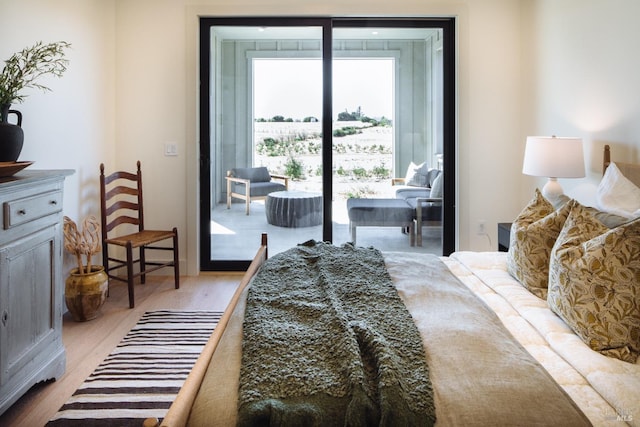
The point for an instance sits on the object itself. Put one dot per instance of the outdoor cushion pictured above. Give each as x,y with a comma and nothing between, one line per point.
431,176
258,174
420,175
260,188
416,175
409,191
392,211
437,187
406,193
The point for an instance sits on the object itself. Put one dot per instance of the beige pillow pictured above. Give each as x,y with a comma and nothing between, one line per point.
533,234
594,283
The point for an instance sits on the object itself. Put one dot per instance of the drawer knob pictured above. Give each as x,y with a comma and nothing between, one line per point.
22,212
53,202
5,318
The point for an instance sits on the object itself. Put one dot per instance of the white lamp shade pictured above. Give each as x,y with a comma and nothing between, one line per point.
554,157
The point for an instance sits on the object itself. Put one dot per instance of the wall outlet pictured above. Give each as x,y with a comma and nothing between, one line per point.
482,229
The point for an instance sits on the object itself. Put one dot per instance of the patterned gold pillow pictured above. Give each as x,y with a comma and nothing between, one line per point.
594,283
533,234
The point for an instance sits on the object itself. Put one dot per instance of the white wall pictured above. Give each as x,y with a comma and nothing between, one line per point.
157,96
524,67
71,127
583,81
132,87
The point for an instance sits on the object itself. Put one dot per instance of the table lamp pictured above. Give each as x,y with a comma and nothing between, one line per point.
553,157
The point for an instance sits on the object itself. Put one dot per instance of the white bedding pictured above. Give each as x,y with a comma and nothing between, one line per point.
606,389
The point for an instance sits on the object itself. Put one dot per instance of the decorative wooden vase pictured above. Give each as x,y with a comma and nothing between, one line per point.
86,293
11,135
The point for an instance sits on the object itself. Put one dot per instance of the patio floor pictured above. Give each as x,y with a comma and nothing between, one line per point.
236,236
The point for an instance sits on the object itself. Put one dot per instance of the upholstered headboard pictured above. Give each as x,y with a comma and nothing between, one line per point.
630,170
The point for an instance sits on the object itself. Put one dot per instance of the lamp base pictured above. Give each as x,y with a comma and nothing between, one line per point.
552,190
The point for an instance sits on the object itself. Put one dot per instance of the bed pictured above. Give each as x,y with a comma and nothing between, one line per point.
496,352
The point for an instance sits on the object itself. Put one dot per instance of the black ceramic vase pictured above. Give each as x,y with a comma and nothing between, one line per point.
11,135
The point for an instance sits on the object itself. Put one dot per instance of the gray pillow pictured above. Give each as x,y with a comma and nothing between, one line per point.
436,187
432,174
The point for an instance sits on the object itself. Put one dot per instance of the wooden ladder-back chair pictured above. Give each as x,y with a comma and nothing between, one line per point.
121,203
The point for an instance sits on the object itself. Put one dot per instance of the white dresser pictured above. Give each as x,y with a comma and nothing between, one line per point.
31,281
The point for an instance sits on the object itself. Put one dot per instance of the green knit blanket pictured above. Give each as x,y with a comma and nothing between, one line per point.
327,341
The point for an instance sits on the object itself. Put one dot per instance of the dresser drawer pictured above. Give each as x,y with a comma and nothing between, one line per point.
20,211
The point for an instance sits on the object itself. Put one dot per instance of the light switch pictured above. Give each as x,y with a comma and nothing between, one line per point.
170,149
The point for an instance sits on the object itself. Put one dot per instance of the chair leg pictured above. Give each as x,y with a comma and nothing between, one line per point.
176,259
352,228
105,264
130,274
419,223
412,235
143,266
248,194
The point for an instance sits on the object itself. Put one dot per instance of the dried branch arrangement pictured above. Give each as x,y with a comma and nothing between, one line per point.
85,242
24,68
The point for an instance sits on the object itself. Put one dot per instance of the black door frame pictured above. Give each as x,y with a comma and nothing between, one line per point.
327,24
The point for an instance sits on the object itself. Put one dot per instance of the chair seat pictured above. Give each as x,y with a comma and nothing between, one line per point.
259,189
142,238
407,192
380,211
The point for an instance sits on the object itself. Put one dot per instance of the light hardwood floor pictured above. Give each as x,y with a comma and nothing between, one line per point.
88,343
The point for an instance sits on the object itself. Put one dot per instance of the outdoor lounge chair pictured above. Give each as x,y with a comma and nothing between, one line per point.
251,184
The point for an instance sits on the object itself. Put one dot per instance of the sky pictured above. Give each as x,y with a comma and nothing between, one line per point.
293,88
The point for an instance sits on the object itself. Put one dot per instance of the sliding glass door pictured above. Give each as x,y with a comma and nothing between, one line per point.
338,107
383,96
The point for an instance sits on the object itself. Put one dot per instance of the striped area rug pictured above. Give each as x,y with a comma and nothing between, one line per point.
144,373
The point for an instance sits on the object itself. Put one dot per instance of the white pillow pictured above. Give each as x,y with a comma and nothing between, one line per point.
617,195
415,176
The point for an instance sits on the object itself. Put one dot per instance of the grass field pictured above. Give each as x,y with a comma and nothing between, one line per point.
362,162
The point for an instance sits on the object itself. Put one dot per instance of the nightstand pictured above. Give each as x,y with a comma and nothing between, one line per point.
504,235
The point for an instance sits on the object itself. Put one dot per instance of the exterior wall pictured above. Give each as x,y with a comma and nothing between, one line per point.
232,144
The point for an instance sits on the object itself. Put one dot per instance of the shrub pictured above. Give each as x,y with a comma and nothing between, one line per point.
294,168
381,172
359,193
271,147
347,130
360,172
